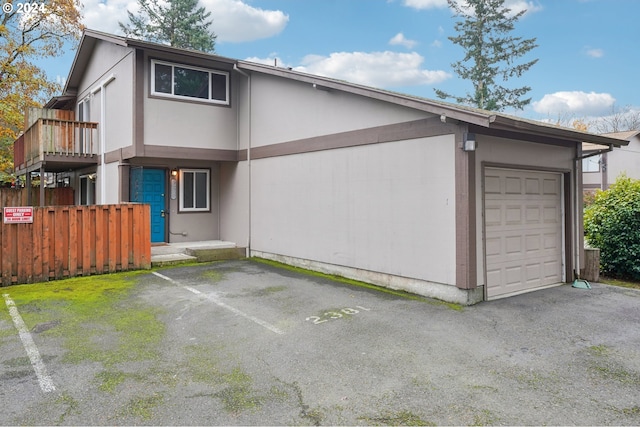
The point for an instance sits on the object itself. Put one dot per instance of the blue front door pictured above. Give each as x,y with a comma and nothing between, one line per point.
149,186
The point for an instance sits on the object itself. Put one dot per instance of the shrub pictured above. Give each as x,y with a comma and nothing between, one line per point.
612,223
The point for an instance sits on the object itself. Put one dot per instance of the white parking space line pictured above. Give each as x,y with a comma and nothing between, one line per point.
219,303
46,384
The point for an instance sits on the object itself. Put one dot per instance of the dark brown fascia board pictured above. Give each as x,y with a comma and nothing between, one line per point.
149,46
83,53
506,123
209,154
446,111
469,115
90,37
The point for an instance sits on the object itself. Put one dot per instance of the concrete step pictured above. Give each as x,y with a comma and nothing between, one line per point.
171,259
208,254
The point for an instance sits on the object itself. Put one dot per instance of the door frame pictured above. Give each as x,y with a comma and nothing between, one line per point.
164,206
567,208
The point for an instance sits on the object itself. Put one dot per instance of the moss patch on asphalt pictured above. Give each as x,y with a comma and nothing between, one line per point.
94,316
352,282
143,406
402,418
233,388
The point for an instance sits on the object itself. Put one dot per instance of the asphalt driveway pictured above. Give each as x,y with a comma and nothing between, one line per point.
244,343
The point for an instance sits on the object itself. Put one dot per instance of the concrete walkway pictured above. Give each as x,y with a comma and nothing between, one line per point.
174,253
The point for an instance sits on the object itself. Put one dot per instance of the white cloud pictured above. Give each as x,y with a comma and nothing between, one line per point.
436,43
426,4
399,39
576,102
105,15
594,53
236,21
233,20
516,6
378,69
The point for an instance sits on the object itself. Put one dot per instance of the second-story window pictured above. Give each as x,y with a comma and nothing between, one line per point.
186,82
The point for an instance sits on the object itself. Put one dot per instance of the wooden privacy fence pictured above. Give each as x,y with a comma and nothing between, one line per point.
68,241
52,196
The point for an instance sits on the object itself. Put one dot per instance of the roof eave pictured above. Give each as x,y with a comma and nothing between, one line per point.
446,111
503,122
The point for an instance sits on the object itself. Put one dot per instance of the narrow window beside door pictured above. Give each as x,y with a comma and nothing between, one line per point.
194,190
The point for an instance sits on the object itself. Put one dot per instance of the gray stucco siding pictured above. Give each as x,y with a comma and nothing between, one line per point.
171,122
386,207
285,110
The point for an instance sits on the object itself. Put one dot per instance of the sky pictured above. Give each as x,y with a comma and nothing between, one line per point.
588,50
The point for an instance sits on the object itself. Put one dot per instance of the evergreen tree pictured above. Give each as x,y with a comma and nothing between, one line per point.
491,54
178,23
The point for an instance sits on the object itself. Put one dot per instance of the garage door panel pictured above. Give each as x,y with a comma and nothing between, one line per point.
533,273
532,244
513,215
532,186
513,185
533,214
551,187
493,215
523,230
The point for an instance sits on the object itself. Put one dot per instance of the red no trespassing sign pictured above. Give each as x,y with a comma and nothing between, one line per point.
22,215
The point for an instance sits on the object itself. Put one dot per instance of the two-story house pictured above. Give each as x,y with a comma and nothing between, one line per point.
430,197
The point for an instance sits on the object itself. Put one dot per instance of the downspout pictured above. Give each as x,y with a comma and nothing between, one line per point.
103,133
248,76
579,217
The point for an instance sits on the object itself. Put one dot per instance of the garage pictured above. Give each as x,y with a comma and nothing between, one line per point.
523,224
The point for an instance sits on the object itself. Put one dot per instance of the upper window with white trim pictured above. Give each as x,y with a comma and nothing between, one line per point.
187,82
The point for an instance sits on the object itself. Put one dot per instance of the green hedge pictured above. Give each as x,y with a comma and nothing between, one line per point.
612,223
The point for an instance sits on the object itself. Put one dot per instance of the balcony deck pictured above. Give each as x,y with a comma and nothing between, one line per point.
56,145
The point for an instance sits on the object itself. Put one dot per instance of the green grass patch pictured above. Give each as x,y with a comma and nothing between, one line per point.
71,406
619,282
109,380
485,418
238,394
357,283
402,418
235,389
143,407
599,350
212,275
94,316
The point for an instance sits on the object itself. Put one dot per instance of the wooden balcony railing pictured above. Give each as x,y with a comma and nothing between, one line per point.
59,137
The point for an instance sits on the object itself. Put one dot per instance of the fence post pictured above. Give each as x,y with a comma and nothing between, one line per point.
592,264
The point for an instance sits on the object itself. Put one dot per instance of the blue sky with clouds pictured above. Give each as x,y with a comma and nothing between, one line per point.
588,49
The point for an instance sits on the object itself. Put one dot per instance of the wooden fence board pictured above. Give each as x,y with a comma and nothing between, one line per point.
79,240
113,241
87,247
47,241
24,272
125,241
37,242
73,242
99,230
7,265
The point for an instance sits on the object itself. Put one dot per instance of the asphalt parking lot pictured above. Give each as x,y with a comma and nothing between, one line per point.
244,343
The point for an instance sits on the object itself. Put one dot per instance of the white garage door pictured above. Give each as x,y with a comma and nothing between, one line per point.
523,230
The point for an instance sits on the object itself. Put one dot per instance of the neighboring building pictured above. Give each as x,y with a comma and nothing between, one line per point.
433,198
602,169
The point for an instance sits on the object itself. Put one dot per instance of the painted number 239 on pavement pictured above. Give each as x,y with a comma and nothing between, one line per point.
332,315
